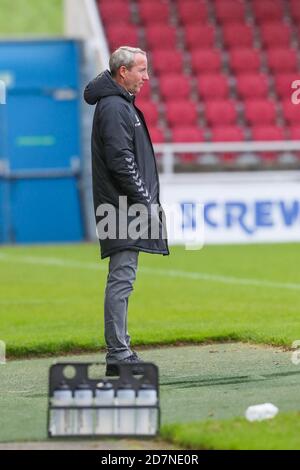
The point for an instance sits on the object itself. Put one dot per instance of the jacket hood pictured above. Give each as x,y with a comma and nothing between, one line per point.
104,85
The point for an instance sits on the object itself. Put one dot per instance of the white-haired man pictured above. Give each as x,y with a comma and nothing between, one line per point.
124,168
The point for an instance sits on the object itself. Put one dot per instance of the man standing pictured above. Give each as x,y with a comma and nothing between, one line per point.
124,176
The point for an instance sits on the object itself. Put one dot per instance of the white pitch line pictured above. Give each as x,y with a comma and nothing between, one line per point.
223,279
33,301
175,273
64,263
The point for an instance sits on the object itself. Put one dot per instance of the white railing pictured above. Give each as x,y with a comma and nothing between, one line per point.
82,21
168,151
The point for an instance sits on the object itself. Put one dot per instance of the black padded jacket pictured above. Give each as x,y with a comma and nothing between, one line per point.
123,163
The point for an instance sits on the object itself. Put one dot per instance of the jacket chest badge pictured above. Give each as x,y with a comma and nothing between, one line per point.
138,122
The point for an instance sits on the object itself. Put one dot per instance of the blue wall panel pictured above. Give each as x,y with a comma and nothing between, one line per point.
44,133
45,210
3,226
5,211
1,212
36,64
42,106
40,132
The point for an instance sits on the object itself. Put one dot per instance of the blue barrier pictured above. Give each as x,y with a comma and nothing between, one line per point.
45,209
40,146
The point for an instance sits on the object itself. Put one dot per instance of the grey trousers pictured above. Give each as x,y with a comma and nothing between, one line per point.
120,279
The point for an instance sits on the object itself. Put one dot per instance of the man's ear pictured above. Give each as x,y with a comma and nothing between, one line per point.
122,71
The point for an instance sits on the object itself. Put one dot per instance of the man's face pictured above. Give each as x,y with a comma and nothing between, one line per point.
135,78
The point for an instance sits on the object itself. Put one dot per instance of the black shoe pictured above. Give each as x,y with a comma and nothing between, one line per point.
136,356
112,369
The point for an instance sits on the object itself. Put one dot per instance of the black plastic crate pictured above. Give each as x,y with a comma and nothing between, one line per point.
130,407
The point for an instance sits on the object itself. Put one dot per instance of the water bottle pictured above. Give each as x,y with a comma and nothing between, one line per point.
105,419
83,418
61,420
146,418
125,418
261,412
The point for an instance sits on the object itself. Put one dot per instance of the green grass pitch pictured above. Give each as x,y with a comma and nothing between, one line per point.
51,297
51,302
31,18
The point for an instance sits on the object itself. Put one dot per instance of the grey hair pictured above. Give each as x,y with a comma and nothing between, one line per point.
124,55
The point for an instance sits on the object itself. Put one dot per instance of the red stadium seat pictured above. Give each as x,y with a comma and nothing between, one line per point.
119,35
291,112
157,135
150,111
294,132
238,35
192,11
267,10
275,34
115,11
227,134
157,35
181,112
206,61
245,60
252,86
145,93
200,36
167,61
174,87
101,2
213,86
282,60
268,133
283,83
295,10
230,11
154,12
220,112
260,112
187,134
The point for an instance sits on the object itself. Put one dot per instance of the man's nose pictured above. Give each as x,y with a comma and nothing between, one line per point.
146,76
